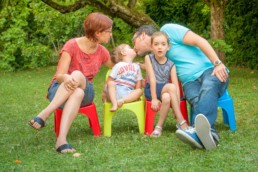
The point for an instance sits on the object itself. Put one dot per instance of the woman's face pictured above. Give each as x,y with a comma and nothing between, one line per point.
104,36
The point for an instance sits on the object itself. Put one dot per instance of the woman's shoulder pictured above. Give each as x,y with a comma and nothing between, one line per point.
70,43
102,48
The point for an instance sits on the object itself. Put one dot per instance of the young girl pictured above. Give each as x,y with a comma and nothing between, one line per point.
162,93
124,81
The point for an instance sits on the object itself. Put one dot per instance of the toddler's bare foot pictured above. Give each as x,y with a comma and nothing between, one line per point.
120,103
114,108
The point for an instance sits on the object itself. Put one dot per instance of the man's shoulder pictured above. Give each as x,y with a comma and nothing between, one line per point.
172,26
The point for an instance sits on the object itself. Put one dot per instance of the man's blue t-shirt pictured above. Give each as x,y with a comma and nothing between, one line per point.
190,61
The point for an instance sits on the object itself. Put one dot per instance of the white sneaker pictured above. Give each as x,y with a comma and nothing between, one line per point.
203,131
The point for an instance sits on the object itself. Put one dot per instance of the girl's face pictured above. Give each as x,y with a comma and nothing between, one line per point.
104,36
160,46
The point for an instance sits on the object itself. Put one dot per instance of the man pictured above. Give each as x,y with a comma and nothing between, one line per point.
203,75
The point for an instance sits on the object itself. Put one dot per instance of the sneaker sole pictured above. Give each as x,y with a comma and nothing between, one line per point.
188,139
203,131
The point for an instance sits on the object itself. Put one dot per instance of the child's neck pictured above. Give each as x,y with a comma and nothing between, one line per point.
127,59
161,60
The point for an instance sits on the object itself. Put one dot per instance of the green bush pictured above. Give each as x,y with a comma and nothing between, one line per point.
242,33
33,33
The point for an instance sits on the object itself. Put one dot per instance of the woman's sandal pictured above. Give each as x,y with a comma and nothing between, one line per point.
180,124
38,120
65,147
157,132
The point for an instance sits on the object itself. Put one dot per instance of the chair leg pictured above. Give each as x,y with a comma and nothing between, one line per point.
107,120
93,121
183,108
229,117
149,121
140,119
58,115
225,116
95,125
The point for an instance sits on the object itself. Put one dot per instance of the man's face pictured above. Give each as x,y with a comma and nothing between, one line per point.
141,44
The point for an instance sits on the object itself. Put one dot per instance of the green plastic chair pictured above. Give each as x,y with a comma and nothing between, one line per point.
136,107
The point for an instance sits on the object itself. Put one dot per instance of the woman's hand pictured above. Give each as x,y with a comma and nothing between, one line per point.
155,104
69,83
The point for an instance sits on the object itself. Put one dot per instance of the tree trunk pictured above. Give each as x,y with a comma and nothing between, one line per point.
217,18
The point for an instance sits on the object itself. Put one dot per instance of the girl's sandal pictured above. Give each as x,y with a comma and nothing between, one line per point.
180,124
157,132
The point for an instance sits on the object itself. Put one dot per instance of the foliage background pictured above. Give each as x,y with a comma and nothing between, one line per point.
31,33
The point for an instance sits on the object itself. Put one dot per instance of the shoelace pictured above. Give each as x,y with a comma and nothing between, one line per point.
190,130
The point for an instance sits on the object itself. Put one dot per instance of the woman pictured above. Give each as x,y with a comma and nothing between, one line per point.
71,87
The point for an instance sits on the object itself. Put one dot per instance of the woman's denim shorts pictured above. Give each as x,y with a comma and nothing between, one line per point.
88,93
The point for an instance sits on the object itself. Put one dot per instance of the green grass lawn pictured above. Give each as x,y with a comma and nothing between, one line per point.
22,96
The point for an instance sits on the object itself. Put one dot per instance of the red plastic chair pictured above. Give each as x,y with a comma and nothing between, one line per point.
150,114
89,111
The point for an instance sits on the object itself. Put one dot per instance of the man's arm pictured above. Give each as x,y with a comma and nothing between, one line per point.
193,39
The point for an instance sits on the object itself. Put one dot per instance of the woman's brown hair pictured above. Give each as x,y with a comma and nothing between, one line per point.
96,22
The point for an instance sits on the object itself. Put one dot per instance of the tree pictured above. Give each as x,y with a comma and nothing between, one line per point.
217,8
114,8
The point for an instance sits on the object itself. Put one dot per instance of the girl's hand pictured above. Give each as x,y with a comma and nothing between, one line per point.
155,104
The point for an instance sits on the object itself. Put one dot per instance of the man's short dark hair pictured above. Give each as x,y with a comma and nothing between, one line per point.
147,29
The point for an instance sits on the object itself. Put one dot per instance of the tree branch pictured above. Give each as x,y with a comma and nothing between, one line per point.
131,3
108,7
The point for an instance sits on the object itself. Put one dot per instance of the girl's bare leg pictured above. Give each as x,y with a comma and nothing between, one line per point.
164,109
175,104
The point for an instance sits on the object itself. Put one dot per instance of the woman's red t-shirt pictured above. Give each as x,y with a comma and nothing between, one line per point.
88,64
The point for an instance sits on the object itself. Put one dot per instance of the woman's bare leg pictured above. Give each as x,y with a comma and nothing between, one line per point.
62,94
70,111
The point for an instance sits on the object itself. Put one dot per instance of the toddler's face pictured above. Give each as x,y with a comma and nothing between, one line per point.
130,52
